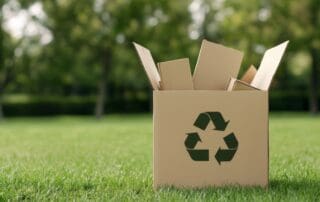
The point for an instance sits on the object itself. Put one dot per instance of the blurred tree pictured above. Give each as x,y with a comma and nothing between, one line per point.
89,50
7,48
89,33
256,25
6,64
300,21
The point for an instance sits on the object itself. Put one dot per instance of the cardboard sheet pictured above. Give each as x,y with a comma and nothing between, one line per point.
176,75
236,84
249,74
149,65
268,67
215,65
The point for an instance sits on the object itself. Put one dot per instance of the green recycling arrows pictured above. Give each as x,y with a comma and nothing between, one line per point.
195,154
220,124
227,154
204,119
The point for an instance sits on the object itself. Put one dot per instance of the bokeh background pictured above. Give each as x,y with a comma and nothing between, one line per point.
76,56
60,59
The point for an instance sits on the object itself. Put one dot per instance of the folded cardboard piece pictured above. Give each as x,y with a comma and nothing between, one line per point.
267,69
176,75
249,74
149,66
213,71
236,84
212,130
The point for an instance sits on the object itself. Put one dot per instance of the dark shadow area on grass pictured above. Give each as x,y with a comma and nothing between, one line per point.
299,189
305,186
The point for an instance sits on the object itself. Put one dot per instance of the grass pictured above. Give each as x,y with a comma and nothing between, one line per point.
79,158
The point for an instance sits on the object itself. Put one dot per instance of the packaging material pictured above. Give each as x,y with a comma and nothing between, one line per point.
249,74
149,66
268,67
236,84
176,75
215,133
213,71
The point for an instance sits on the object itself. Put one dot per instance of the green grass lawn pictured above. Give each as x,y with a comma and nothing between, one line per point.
81,158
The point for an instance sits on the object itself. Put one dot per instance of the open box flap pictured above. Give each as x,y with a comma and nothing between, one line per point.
175,75
215,65
268,67
236,85
249,74
149,65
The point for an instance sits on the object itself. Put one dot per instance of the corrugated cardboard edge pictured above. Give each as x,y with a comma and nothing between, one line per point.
231,84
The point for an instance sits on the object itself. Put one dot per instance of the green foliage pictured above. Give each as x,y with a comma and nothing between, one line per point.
66,158
134,102
91,42
81,105
84,32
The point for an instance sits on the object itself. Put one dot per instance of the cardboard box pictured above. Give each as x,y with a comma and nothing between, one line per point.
218,133
245,114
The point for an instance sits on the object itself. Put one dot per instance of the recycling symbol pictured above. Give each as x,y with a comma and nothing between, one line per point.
220,124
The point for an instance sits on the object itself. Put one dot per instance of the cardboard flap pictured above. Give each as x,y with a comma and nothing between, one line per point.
235,85
268,67
231,84
149,65
176,75
215,65
249,74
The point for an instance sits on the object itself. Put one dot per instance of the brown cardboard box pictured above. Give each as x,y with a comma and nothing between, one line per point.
211,136
175,114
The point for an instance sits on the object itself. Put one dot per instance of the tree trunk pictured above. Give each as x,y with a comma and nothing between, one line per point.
102,85
314,81
1,110
315,57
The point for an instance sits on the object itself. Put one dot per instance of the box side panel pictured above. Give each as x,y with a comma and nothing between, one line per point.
155,140
268,139
245,117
